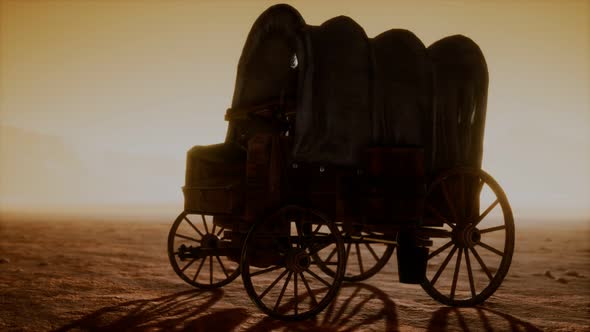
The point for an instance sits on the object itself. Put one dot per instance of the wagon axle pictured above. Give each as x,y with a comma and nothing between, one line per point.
298,260
190,252
466,236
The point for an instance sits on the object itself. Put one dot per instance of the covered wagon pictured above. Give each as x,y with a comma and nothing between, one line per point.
341,149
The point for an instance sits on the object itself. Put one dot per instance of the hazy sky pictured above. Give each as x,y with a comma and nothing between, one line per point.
99,100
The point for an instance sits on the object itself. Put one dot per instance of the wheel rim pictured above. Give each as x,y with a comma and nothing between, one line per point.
197,231
363,259
278,271
466,266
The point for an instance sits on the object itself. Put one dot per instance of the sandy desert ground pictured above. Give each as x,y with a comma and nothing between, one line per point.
107,275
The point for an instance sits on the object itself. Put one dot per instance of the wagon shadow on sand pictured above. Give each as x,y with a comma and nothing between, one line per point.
357,306
161,313
195,311
477,319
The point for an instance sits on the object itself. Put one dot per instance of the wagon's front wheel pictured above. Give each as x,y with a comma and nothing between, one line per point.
199,253
469,260
278,270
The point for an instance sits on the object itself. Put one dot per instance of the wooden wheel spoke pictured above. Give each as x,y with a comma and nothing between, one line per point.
270,269
443,266
347,252
492,249
476,196
214,227
371,250
187,237
188,264
439,216
469,273
295,295
441,249
222,266
331,255
210,269
456,275
205,223
317,277
199,269
193,226
316,230
481,263
309,292
324,263
317,248
486,212
359,258
283,291
273,284
220,231
492,229
449,201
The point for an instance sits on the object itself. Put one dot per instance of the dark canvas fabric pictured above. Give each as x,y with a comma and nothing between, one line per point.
460,100
402,100
403,86
264,72
459,112
351,92
336,123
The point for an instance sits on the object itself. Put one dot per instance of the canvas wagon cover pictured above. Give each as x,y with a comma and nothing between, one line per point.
350,92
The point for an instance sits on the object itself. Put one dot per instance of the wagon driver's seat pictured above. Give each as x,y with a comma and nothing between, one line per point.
263,108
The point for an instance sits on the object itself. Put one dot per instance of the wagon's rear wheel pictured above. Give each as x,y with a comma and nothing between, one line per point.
196,249
278,271
363,258
468,262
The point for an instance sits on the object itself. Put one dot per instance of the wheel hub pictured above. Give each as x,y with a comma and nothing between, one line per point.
298,260
466,236
209,241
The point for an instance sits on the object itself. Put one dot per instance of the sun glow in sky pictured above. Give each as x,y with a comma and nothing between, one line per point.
100,100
